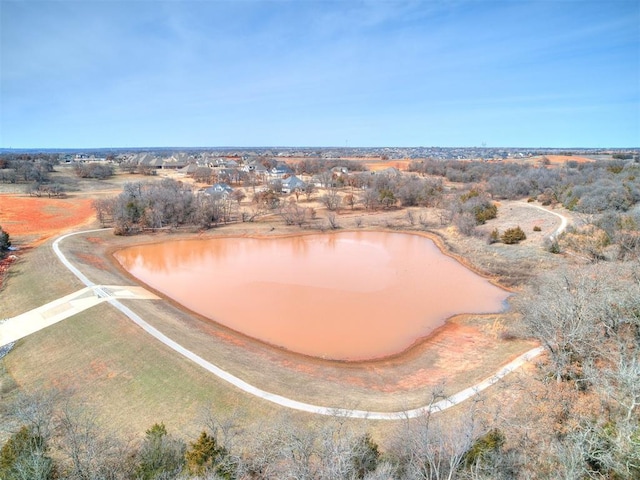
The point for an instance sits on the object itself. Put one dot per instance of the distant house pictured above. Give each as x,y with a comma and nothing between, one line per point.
281,170
218,189
339,171
213,162
256,168
291,184
179,160
220,162
146,160
230,163
189,169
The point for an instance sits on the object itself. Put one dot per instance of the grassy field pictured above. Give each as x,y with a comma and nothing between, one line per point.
133,381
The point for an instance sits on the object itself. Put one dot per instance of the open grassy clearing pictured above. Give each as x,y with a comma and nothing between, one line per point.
124,375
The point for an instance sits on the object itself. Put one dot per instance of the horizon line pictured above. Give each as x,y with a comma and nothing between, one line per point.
283,147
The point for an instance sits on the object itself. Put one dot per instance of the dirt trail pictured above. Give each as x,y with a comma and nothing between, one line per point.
564,221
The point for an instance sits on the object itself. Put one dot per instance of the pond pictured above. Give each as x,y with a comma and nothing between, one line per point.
342,296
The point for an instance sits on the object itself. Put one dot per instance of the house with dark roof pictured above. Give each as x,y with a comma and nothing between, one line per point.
292,183
256,168
281,170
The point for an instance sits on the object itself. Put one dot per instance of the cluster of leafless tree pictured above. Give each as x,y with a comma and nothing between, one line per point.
383,191
603,194
367,191
603,236
35,170
167,203
314,166
97,170
576,416
584,187
50,437
588,319
49,189
26,168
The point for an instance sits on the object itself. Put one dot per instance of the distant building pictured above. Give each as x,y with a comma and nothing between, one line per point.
218,189
281,170
291,184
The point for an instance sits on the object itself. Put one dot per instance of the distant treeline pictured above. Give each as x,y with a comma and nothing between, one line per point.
27,168
313,166
591,187
35,170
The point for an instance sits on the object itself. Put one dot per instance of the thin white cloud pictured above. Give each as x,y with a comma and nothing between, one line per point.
389,66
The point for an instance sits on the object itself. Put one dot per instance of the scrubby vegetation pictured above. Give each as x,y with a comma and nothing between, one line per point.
584,187
577,415
167,203
94,170
513,235
27,168
45,189
5,242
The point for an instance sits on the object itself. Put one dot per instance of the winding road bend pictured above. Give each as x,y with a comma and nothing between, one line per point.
564,221
94,294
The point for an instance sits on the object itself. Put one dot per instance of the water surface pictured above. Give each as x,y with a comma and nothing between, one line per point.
349,296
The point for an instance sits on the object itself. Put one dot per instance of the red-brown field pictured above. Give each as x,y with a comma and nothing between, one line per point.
377,165
560,159
33,219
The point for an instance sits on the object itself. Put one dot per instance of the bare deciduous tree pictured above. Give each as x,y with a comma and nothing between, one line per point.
89,452
332,218
309,190
331,199
294,214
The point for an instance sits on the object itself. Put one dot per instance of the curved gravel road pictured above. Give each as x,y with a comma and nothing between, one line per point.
564,221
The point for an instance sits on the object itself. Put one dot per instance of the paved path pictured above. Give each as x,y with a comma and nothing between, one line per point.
278,399
30,322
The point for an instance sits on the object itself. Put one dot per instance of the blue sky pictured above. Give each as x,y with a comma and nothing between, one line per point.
109,73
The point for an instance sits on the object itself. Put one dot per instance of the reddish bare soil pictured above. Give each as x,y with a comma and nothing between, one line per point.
559,159
93,260
34,219
382,164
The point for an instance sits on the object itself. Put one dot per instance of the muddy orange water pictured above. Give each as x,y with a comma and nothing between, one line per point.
346,296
